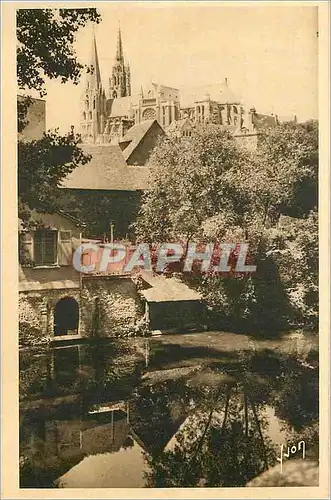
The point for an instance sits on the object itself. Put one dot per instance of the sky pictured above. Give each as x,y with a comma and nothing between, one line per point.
268,53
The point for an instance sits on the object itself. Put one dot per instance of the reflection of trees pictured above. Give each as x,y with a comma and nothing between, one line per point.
156,412
225,441
226,446
296,400
217,415
292,388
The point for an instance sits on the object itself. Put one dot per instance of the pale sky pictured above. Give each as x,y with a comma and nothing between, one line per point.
267,52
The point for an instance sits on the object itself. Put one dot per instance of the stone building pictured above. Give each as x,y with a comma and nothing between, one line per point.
59,302
55,300
104,120
49,285
108,120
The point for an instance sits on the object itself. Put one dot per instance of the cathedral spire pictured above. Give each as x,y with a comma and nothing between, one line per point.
119,51
94,77
120,80
93,100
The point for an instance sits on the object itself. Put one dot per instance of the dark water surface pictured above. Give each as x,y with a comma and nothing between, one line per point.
146,413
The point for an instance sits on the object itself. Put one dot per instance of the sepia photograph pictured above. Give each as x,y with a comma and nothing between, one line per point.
168,246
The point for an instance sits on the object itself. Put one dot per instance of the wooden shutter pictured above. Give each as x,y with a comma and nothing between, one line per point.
65,248
38,248
25,248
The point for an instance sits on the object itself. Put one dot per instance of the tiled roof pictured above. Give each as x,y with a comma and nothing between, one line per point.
167,289
218,92
135,134
107,170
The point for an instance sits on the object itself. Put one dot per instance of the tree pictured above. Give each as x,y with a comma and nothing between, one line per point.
210,189
46,45
190,183
46,50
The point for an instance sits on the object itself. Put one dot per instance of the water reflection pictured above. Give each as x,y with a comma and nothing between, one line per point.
95,416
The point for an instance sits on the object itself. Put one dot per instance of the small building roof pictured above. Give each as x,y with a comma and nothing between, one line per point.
136,134
182,124
35,215
167,289
107,170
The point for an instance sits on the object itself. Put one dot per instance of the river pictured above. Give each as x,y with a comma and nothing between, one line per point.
161,413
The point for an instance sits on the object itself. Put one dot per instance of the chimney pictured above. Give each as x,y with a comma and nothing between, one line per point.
226,81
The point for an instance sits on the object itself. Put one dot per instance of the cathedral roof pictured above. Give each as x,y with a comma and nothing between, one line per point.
163,91
121,106
107,170
216,92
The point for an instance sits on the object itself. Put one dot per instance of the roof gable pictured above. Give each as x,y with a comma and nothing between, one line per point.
136,134
59,219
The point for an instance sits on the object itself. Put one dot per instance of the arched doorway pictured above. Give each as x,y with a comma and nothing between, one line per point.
66,317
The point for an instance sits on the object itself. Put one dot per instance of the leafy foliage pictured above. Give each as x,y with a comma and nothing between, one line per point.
45,45
45,49
191,181
209,189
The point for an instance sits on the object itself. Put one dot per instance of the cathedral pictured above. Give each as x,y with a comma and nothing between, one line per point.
107,118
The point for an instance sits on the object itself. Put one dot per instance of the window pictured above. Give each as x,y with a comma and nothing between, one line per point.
149,114
45,247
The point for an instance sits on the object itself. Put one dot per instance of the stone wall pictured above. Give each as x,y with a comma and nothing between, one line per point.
178,315
36,311
248,141
108,307
111,306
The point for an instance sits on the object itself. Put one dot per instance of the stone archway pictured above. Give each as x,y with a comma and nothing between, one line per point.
66,317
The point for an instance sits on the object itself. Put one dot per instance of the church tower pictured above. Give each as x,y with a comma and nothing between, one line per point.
120,81
93,102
